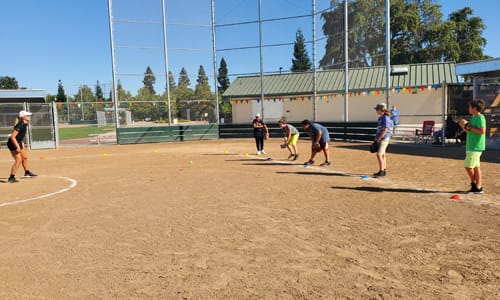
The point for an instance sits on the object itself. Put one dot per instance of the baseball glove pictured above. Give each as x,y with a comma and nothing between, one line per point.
374,147
283,146
316,147
463,123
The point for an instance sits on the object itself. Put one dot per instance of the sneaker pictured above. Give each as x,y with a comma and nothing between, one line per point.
479,191
326,163
473,188
259,153
291,156
380,173
309,162
295,157
29,174
12,179
263,152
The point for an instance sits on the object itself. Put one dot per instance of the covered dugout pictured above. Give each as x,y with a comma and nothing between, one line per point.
42,131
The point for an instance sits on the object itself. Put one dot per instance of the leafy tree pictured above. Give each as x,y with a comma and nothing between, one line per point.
8,83
301,61
468,32
61,96
418,34
98,92
149,80
222,77
366,34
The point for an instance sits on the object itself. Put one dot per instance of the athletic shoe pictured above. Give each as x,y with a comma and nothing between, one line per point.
29,174
12,179
479,191
326,163
295,157
263,152
379,173
473,188
309,162
291,156
259,153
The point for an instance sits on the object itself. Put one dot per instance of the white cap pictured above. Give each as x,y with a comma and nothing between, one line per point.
257,115
24,113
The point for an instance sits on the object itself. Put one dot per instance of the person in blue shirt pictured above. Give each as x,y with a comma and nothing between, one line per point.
319,139
394,118
382,137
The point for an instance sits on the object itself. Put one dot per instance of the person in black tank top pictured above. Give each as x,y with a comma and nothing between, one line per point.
17,147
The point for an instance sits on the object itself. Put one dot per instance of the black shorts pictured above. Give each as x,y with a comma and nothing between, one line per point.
12,147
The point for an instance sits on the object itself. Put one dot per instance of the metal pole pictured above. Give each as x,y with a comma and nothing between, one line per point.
67,105
165,57
214,59
81,102
315,110
261,61
346,66
114,94
443,114
388,51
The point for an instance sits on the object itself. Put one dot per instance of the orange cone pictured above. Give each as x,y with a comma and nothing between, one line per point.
456,197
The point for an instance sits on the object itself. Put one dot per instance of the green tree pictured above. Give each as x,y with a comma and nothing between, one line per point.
468,33
366,34
171,81
8,83
61,96
183,79
98,92
222,77
202,89
149,80
301,61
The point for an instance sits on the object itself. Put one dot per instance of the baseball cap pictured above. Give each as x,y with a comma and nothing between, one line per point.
257,115
23,113
380,106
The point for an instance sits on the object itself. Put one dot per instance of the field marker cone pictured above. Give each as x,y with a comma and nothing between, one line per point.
456,197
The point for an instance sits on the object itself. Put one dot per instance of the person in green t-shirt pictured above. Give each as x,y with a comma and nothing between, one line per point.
475,145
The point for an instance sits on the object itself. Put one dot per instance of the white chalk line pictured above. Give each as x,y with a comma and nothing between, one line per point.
463,197
73,183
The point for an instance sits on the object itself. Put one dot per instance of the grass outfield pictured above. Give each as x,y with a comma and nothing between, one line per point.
67,133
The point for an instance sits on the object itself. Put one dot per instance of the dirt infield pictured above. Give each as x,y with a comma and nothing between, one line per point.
211,220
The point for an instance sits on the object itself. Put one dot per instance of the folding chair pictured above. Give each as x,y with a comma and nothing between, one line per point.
426,133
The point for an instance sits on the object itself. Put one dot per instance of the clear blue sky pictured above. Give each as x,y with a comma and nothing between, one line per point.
43,41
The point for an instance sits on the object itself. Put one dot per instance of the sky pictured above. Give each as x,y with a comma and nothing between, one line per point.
44,41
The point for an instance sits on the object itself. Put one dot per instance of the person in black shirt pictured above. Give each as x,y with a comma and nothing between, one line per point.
260,131
17,147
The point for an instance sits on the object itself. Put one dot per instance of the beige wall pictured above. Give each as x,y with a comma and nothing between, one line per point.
414,107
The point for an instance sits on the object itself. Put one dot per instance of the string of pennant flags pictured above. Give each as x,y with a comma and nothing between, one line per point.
126,103
331,96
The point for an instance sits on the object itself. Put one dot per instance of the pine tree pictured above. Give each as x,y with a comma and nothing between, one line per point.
149,81
301,61
222,77
98,92
171,81
61,96
183,78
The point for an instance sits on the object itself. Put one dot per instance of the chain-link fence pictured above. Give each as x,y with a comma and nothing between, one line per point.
42,130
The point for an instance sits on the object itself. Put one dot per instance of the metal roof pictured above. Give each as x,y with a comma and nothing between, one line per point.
481,68
332,81
22,95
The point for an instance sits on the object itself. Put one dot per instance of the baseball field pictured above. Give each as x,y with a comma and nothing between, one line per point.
212,220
